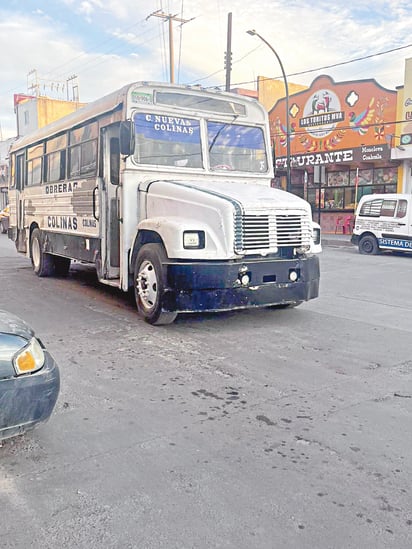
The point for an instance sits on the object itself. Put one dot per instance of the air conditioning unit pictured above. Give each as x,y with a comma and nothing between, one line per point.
406,139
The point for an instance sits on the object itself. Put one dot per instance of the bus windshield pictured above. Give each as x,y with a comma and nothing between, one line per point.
167,140
236,147
176,141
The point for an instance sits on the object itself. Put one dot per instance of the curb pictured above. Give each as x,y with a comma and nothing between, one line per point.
336,242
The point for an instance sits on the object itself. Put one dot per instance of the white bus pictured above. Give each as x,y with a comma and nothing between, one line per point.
166,189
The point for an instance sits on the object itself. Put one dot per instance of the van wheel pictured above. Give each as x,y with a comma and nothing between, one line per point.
150,283
43,264
368,245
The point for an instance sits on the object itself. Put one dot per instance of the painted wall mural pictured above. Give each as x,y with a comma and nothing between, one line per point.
335,123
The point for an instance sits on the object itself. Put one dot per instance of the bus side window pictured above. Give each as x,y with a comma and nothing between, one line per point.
20,173
114,160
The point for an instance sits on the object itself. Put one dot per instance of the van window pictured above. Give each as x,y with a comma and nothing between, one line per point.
371,208
388,208
378,207
402,208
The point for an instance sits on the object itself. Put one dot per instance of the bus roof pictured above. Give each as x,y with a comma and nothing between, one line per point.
107,104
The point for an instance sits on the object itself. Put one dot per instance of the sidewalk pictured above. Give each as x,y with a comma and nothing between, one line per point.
331,239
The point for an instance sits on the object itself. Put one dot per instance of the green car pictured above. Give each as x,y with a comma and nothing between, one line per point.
29,378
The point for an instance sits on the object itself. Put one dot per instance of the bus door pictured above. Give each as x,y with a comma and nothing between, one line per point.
17,202
110,203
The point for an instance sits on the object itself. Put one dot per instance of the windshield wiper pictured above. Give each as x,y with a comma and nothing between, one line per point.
224,126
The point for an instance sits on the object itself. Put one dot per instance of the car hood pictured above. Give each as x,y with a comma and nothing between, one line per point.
11,324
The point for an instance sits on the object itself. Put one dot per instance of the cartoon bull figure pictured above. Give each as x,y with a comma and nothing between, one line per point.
322,105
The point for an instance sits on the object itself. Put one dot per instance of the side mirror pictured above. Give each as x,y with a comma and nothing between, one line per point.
126,137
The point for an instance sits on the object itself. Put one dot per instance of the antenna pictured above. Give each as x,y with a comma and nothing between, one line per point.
53,89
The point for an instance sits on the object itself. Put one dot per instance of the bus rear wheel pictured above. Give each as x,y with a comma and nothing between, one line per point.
43,264
150,283
61,265
368,245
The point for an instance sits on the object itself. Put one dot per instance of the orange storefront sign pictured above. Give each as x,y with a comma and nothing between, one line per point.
335,123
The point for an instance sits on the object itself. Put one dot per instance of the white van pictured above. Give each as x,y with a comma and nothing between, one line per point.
383,222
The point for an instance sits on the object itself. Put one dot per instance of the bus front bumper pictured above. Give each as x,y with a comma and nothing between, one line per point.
222,286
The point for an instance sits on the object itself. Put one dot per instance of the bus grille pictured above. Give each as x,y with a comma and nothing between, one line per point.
264,233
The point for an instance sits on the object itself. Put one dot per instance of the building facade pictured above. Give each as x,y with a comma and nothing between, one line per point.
4,171
402,144
34,112
340,139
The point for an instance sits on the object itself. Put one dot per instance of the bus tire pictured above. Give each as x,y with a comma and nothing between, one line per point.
43,264
368,245
149,285
61,265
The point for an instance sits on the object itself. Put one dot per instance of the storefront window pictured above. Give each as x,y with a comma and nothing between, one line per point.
297,182
343,189
349,199
334,198
384,176
336,179
365,177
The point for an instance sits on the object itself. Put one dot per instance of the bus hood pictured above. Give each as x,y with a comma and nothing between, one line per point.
253,196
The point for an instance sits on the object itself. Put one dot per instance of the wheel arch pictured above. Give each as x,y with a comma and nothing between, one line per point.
34,225
367,233
143,237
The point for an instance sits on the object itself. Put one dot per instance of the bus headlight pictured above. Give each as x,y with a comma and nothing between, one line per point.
194,240
294,275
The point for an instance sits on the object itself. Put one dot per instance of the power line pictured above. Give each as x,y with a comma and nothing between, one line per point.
170,19
350,61
310,70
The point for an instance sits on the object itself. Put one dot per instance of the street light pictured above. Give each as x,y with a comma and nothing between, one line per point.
254,33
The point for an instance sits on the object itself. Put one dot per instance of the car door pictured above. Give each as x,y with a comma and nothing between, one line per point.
396,224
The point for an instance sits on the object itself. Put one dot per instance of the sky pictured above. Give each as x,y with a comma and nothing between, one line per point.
98,46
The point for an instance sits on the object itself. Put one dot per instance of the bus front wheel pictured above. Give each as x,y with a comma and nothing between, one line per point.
368,245
42,263
150,283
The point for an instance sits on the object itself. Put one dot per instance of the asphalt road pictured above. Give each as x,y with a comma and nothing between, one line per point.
248,430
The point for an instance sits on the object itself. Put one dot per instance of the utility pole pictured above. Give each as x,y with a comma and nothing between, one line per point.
228,53
170,18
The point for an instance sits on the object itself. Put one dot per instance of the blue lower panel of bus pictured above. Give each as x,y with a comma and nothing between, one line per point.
220,286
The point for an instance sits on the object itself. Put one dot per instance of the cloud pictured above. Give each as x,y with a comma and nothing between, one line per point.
107,44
